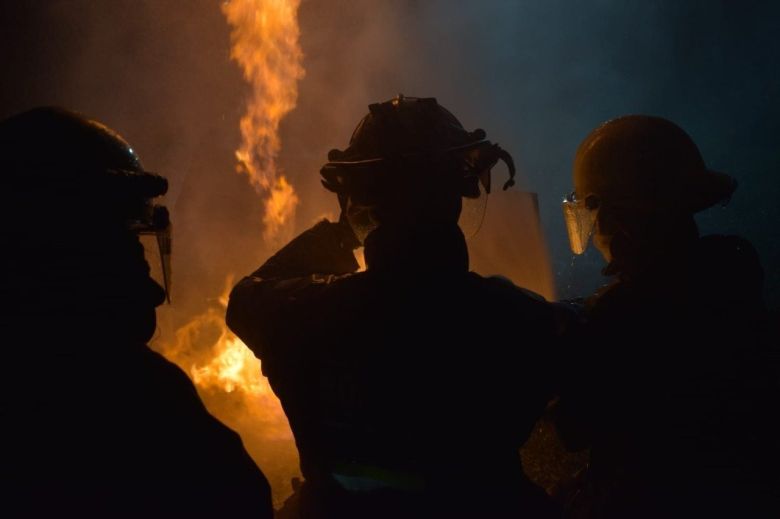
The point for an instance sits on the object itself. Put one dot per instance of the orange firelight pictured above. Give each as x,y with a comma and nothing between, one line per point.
265,45
226,373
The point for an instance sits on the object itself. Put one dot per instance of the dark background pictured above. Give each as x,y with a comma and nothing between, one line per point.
537,75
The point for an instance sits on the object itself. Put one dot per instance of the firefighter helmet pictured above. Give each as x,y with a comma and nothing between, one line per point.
86,168
639,163
417,137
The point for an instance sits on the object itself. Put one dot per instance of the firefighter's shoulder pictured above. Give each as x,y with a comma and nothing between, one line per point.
503,285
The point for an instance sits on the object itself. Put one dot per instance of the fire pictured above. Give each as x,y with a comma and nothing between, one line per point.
230,382
226,373
220,364
279,209
232,368
360,257
265,45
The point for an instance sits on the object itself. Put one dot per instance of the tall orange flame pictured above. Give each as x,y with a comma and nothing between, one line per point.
265,44
226,373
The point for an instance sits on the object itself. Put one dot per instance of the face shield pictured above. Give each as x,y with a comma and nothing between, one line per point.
472,213
154,231
363,221
478,162
358,186
580,217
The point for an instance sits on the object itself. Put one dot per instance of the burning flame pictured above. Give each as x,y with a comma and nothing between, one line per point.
229,380
219,363
226,373
233,365
265,45
232,368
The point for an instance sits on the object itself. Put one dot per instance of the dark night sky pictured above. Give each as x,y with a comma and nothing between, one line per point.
537,75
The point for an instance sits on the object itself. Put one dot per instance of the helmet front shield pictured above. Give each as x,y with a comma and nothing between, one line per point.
152,224
580,222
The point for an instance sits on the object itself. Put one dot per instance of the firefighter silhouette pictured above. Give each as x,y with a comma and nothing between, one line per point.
672,379
95,424
410,386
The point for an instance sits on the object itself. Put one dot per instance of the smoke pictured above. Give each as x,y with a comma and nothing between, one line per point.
537,76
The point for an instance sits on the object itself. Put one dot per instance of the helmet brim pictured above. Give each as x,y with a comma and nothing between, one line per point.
712,188
337,174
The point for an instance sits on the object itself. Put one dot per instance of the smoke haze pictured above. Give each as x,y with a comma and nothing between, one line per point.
536,75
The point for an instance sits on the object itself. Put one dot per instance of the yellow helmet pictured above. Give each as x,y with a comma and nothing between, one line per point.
639,163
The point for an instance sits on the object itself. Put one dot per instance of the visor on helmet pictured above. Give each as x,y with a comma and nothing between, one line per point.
580,220
357,183
154,231
472,213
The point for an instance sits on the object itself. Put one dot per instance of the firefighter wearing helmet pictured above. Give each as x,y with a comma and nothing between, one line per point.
96,424
405,396
670,382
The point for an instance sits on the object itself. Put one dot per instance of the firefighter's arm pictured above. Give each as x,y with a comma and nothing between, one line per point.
325,249
562,362
258,302
570,411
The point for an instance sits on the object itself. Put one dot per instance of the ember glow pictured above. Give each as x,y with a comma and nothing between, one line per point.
265,45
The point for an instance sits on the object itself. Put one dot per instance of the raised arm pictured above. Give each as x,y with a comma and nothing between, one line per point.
300,269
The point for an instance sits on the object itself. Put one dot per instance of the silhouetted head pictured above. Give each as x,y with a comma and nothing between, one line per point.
76,200
408,165
638,181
